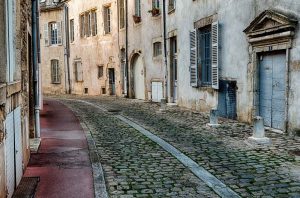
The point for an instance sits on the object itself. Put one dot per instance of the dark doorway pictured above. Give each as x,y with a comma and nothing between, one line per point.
227,99
112,84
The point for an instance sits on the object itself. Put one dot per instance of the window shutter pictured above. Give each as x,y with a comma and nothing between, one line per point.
46,34
59,33
215,55
193,58
105,21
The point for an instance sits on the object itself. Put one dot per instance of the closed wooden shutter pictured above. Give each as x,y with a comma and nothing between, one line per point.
46,34
79,73
193,59
59,32
215,55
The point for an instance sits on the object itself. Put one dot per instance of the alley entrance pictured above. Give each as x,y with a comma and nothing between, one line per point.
272,89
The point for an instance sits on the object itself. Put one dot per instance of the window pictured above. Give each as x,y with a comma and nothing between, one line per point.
107,20
155,4
138,8
78,71
157,49
10,33
82,25
100,71
122,13
72,30
88,23
172,4
55,74
54,35
94,22
204,56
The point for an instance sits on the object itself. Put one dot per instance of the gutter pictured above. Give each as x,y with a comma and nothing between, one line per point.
165,50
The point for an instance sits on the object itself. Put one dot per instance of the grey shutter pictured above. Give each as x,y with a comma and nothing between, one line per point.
215,55
105,21
46,34
193,59
59,33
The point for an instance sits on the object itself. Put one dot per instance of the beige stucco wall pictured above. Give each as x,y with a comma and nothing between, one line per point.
51,52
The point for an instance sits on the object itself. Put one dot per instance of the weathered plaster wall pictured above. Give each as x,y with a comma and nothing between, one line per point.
51,52
94,51
141,38
234,17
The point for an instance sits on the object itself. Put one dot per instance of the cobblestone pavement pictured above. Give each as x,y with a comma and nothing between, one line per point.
250,170
134,166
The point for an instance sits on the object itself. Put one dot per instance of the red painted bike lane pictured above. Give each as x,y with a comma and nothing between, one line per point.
62,161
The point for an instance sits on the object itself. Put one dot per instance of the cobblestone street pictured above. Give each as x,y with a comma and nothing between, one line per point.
135,166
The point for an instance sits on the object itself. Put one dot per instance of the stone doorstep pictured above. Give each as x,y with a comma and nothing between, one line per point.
34,144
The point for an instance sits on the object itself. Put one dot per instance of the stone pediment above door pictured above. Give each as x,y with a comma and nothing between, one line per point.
270,25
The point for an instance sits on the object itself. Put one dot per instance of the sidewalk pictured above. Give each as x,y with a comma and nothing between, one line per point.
62,161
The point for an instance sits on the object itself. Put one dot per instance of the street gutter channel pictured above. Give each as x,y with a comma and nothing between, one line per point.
214,183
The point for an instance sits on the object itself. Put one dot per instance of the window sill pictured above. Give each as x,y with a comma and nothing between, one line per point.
55,83
13,88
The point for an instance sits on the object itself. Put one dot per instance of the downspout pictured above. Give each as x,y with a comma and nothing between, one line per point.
35,41
126,51
67,50
165,51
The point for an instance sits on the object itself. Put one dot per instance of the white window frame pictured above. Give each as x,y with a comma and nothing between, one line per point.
10,36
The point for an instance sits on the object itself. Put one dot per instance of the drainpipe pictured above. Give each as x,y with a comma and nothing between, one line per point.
67,50
35,41
165,50
126,52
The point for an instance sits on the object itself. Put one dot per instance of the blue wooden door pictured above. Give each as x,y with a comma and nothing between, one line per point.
272,90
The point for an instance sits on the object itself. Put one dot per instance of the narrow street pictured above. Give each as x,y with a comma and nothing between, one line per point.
135,166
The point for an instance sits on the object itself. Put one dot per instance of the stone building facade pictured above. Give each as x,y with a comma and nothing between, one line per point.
16,92
84,58
238,57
